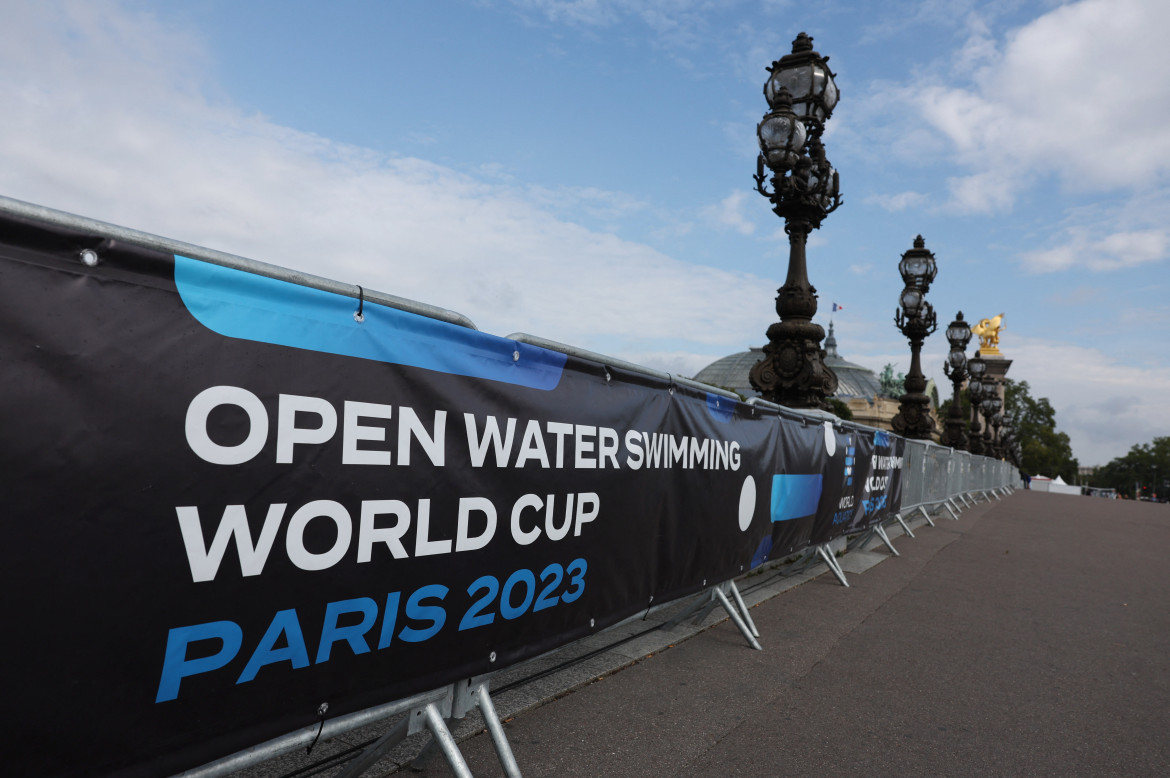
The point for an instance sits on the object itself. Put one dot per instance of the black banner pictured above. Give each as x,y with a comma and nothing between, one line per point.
229,500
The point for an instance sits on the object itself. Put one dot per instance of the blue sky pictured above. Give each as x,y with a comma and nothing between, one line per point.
582,170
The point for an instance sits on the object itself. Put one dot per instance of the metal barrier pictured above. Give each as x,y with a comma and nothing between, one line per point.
933,476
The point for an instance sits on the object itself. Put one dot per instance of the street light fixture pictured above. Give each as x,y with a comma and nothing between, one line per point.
976,369
805,188
991,406
955,368
916,320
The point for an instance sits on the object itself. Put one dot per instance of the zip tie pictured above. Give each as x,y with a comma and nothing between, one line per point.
322,709
358,316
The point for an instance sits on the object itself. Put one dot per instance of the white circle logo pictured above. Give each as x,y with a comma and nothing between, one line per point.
747,503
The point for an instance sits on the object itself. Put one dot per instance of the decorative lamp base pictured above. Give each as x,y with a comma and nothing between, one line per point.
913,419
793,372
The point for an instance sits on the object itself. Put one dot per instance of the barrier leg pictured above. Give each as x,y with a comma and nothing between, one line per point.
807,558
929,520
499,737
880,531
905,526
735,617
701,603
963,497
374,752
860,541
831,561
995,494
954,515
743,609
954,504
446,742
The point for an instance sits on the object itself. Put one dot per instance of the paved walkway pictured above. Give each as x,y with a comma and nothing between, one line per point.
1032,636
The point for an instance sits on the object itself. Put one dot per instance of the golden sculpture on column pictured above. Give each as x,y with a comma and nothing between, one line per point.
988,332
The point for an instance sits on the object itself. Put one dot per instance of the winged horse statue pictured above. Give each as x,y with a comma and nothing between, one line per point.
988,332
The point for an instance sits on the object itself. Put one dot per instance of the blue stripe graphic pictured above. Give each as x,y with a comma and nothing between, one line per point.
721,408
794,496
238,304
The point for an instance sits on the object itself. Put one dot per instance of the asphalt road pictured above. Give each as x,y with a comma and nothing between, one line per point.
1031,637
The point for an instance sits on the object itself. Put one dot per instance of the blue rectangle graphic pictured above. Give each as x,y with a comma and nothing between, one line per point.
794,496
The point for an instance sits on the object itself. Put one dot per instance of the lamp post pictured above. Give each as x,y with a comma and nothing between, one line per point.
990,406
997,424
801,94
976,368
916,320
958,335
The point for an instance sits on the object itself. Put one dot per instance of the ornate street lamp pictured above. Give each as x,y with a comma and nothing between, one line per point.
991,406
1008,445
997,424
958,335
801,94
976,368
916,320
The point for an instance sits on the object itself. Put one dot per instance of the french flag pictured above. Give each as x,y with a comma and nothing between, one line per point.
838,307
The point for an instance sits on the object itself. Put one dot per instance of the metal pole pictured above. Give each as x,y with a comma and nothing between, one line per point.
832,563
929,520
881,533
374,752
747,617
747,633
443,737
499,738
905,526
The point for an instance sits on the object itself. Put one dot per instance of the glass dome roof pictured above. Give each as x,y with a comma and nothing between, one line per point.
731,372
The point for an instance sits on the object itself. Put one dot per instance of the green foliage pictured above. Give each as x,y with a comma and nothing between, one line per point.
839,409
944,410
1044,451
1140,473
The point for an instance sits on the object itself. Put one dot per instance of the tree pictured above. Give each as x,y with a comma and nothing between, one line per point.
839,409
1044,451
1140,473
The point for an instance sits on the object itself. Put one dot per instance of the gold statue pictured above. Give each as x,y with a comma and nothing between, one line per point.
988,332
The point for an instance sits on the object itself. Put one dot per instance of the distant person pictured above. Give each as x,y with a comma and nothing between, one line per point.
1027,480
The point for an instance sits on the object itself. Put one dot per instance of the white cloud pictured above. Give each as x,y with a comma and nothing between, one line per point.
1103,405
1114,251
677,23
1074,94
898,202
729,212
103,117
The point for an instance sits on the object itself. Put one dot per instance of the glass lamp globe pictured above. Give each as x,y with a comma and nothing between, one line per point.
911,301
806,76
782,136
959,333
977,367
956,359
918,267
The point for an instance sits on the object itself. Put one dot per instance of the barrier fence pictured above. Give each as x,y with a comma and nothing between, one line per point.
247,508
